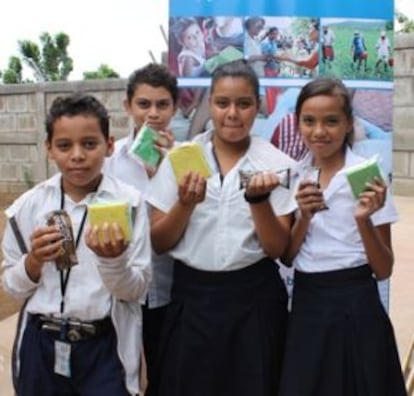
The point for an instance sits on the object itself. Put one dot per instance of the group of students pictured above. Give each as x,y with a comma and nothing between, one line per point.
202,264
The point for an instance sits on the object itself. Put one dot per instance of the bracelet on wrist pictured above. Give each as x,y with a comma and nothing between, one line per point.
256,199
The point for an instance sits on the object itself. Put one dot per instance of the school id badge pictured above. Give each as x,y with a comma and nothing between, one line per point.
62,358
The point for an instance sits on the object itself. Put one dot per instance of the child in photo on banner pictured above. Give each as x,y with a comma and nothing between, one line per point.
81,323
191,58
340,339
359,52
383,49
224,331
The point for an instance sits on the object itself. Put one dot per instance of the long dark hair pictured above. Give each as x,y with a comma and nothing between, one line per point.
330,87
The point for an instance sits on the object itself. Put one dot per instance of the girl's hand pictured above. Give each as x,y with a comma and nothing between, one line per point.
261,184
45,245
192,189
371,200
309,198
106,240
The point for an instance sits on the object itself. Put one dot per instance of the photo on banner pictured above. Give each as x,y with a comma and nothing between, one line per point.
288,45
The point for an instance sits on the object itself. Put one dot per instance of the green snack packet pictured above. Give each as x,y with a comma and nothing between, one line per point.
228,54
143,146
360,174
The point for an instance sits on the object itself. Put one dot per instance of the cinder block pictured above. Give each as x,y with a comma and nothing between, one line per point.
9,172
403,138
16,103
32,103
7,122
401,164
404,91
403,186
3,153
19,153
119,123
2,104
26,122
33,154
112,100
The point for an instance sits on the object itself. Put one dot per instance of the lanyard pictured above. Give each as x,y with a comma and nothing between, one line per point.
213,150
64,275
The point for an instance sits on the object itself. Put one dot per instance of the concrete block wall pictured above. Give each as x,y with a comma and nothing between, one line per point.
403,144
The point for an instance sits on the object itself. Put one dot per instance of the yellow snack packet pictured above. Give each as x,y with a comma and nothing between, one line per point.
189,156
111,212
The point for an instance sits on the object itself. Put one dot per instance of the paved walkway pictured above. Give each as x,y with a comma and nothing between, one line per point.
401,306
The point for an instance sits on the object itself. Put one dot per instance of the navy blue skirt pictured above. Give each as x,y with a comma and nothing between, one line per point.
340,339
224,333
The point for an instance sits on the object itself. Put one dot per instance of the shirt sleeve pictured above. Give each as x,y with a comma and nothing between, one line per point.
387,214
163,191
16,281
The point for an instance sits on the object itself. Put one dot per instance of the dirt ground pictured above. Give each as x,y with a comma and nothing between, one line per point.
8,306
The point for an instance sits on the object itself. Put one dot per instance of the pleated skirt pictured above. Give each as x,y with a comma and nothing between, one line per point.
224,333
340,339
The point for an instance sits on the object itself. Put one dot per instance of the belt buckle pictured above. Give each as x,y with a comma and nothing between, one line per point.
73,335
50,327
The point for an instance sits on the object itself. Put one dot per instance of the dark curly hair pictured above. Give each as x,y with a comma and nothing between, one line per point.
155,75
74,105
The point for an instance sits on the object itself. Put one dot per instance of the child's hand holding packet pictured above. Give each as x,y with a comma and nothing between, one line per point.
144,146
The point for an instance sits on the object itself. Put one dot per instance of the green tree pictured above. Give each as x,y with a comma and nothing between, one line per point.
13,73
104,71
50,61
406,24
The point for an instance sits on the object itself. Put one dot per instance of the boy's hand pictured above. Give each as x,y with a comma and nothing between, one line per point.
192,189
106,240
371,200
165,141
45,245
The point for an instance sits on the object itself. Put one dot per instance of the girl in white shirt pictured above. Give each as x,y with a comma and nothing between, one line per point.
340,339
225,326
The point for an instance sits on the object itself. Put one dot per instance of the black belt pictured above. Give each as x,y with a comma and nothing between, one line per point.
74,329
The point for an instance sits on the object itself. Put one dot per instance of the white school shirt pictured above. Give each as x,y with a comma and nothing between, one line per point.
332,241
328,38
132,171
220,235
97,286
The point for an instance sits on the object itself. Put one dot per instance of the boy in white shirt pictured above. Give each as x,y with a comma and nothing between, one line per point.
82,325
151,98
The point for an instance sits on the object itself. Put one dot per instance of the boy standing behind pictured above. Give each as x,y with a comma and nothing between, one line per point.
80,334
152,95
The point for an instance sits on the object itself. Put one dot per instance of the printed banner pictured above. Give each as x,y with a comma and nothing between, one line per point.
300,39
